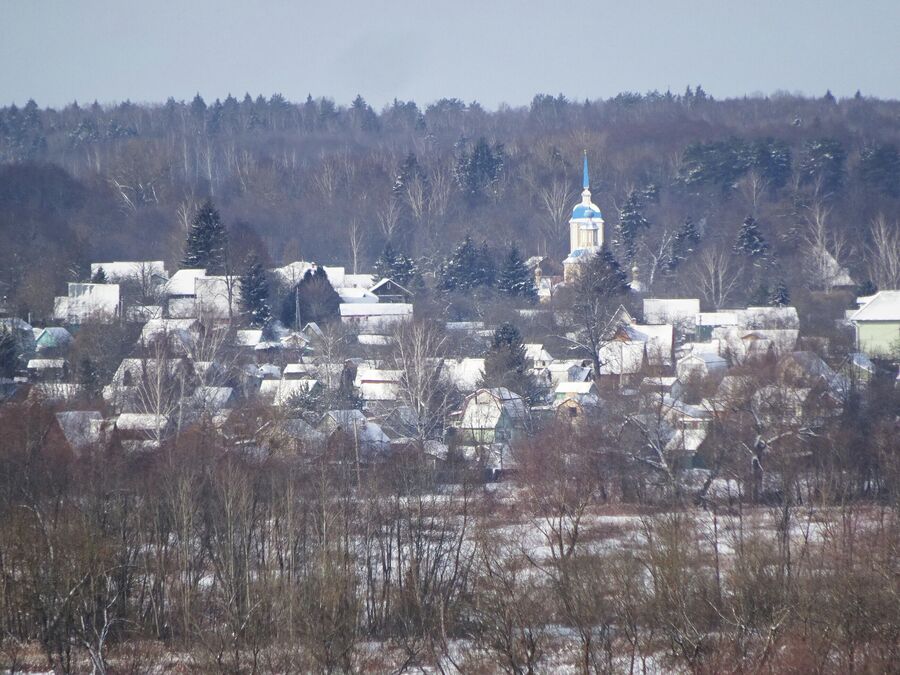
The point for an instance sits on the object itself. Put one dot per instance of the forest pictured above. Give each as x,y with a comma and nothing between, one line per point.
335,184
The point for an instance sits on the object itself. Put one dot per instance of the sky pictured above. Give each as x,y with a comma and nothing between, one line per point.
496,52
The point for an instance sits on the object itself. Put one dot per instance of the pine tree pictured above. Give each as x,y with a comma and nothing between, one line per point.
515,279
9,352
683,244
631,223
207,241
505,364
396,265
99,276
779,296
255,294
750,242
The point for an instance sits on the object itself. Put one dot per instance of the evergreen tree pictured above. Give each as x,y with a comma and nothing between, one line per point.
487,267
631,223
207,241
683,243
515,279
255,294
602,276
478,171
314,298
467,267
779,296
505,364
89,377
99,276
823,162
879,167
750,242
9,352
396,265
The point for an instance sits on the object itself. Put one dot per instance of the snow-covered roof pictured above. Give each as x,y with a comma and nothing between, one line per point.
621,358
378,385
46,364
384,282
709,359
341,418
360,295
364,309
536,352
483,408
134,270
574,388
361,281
280,392
293,272
213,397
141,422
671,310
464,374
182,282
467,326
57,391
52,336
301,430
884,306
81,428
767,317
247,337
375,340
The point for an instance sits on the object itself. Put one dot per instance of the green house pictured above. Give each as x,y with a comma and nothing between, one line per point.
878,325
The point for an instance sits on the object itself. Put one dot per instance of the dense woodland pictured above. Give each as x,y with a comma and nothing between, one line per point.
237,547
335,184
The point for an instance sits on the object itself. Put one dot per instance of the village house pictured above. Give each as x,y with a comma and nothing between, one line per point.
491,416
877,325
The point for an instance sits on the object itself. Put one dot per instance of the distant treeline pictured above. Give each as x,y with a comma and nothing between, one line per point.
320,181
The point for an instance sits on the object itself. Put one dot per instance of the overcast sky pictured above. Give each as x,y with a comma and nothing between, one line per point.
491,51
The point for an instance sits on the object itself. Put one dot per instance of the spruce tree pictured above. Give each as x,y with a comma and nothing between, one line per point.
750,242
9,352
314,298
99,276
779,296
255,294
207,241
631,223
467,267
683,243
515,279
505,364
396,265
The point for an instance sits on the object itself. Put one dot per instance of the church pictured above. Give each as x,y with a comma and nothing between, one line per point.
585,230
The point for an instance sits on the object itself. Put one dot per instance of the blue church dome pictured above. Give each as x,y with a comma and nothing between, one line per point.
586,211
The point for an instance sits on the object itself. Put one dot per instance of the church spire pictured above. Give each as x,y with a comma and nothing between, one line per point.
586,183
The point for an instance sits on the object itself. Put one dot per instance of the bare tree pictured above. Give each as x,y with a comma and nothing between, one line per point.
883,255
717,276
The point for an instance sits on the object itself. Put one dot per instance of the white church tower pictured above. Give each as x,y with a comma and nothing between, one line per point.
585,229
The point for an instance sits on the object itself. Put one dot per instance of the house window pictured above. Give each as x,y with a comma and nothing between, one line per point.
127,380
